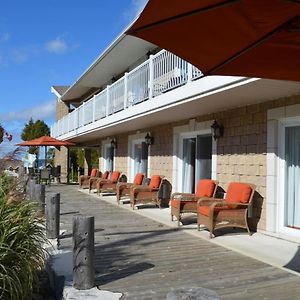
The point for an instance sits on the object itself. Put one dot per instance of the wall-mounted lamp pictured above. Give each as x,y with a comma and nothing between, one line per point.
217,130
149,139
113,143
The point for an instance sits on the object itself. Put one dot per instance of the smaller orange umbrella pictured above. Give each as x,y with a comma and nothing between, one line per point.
46,141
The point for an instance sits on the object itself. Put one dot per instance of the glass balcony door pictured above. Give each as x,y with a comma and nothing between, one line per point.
292,177
196,161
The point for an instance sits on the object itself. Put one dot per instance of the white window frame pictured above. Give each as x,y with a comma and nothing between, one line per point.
278,119
283,124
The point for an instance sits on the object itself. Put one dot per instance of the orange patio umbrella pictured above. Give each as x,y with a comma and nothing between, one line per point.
252,38
46,141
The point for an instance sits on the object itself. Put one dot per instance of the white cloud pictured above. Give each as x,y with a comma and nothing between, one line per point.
135,8
19,56
57,46
4,37
43,111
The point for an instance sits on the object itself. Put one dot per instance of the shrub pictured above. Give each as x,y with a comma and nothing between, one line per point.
21,241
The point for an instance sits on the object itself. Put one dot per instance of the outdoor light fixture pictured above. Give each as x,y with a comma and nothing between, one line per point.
113,143
148,139
217,130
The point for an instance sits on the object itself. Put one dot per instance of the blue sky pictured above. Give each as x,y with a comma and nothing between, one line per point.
51,42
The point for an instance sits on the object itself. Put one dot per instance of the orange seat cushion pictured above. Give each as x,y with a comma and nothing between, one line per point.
205,188
105,175
115,176
138,179
238,193
155,182
94,172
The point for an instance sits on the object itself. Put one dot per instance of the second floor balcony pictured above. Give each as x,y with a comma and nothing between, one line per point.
161,73
161,82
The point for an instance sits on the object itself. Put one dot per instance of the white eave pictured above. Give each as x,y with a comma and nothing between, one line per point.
116,58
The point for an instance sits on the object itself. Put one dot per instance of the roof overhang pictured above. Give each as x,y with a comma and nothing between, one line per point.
122,53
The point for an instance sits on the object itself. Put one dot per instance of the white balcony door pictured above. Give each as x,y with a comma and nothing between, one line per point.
292,177
139,158
108,157
196,160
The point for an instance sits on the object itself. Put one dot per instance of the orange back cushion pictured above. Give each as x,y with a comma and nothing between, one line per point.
115,176
155,182
138,179
94,172
105,175
238,193
205,188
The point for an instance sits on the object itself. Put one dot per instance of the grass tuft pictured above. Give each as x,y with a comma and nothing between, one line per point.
21,239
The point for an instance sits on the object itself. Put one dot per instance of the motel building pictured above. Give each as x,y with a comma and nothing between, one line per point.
147,110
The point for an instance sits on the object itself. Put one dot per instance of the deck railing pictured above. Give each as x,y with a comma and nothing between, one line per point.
161,73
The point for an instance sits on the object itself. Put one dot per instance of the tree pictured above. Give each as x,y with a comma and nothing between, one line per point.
33,130
50,156
4,134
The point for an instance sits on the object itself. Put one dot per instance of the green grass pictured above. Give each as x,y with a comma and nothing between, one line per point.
21,239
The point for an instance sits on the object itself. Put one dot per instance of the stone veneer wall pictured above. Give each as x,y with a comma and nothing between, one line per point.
121,157
241,153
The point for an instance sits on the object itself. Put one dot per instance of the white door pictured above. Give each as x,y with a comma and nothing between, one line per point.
196,160
108,158
139,158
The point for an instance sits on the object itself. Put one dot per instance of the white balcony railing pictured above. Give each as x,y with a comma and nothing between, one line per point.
161,73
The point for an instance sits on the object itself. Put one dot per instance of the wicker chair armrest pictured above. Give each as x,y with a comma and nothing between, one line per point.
141,189
179,196
237,203
188,198
124,185
205,201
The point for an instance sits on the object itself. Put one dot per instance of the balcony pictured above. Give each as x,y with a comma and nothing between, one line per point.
160,74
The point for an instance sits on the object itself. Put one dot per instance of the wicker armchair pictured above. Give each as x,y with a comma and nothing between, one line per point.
187,203
108,185
123,189
84,179
146,194
93,180
229,212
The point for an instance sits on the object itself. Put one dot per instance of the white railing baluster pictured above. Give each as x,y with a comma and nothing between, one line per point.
94,111
190,72
151,76
125,89
107,100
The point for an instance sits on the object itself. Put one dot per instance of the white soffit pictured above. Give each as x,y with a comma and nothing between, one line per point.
122,53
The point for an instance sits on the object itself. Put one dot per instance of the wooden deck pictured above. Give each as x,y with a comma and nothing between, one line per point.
144,259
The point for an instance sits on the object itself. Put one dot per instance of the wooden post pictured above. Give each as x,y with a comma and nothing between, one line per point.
32,183
39,196
52,215
83,252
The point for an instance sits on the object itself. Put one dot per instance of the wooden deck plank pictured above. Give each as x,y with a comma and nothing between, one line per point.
144,259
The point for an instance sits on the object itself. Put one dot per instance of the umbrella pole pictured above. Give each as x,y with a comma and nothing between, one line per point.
45,156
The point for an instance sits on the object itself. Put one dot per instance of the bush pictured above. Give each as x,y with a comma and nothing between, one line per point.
21,240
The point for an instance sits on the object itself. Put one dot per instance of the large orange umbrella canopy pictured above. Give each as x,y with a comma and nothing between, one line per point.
46,141
252,38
